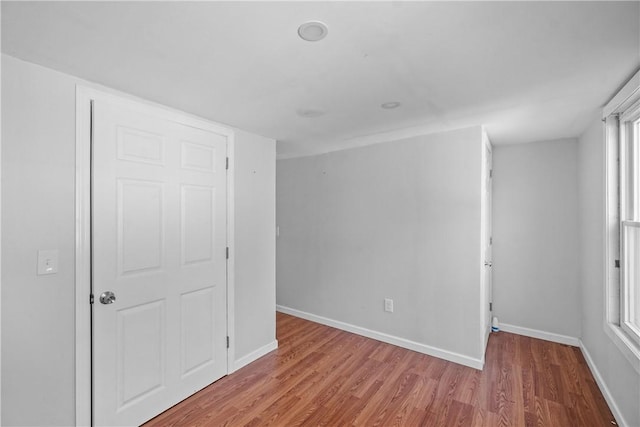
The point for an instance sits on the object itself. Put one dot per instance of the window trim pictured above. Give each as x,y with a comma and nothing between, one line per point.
628,328
624,101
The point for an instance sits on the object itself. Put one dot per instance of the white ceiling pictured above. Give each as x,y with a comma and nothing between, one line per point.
529,71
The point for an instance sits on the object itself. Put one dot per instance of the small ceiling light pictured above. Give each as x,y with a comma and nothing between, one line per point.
312,31
390,105
310,113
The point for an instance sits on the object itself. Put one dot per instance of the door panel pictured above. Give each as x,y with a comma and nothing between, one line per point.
136,145
159,243
140,225
198,157
198,325
140,354
198,206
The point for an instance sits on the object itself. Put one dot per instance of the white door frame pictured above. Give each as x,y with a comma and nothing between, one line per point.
485,236
84,96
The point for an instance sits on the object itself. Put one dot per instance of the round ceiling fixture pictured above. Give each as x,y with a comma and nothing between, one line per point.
312,31
310,113
390,105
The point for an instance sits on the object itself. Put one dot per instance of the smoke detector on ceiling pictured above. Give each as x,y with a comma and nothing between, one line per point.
312,31
390,105
310,113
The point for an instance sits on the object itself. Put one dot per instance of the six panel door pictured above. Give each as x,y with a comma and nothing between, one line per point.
158,198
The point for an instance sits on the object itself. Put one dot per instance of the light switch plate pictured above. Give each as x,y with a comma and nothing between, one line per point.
47,262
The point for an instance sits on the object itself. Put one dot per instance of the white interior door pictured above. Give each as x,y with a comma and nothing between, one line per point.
488,240
158,197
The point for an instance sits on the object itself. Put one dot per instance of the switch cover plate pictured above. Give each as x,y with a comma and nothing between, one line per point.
47,262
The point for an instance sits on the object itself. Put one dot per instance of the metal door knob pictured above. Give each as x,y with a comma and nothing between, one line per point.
108,297
488,263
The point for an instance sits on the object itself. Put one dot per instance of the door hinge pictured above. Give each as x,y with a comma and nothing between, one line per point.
227,164
617,263
227,252
91,299
490,306
490,173
227,341
491,240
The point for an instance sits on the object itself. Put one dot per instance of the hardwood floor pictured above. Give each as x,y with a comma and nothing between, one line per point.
324,376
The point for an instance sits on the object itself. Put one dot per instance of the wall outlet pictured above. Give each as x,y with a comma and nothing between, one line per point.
388,305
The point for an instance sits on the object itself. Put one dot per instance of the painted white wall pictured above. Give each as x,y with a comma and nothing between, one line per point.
621,379
535,236
255,242
38,166
396,220
38,163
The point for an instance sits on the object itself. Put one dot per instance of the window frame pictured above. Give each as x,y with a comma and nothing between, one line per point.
629,124
626,294
617,115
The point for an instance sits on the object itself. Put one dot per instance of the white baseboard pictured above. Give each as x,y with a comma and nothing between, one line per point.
603,387
389,339
254,355
534,333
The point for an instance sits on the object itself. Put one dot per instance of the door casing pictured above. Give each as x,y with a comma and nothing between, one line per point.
485,240
83,339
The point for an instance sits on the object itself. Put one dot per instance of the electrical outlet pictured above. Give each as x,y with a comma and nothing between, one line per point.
388,305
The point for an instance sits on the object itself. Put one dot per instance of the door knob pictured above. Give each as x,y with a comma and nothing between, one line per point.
108,297
488,263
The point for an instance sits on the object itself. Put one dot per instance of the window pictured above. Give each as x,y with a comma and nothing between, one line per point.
622,118
629,143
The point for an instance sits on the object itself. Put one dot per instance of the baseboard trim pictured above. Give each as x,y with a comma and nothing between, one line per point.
603,387
547,336
389,339
485,344
254,355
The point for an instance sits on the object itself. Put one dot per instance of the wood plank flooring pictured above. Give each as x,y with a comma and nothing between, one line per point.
321,376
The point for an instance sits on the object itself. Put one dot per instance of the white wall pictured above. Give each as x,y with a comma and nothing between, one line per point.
396,220
38,166
535,236
622,381
255,243
38,163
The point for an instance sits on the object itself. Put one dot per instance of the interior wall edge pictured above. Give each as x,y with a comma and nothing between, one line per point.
440,353
542,335
603,387
380,138
254,355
